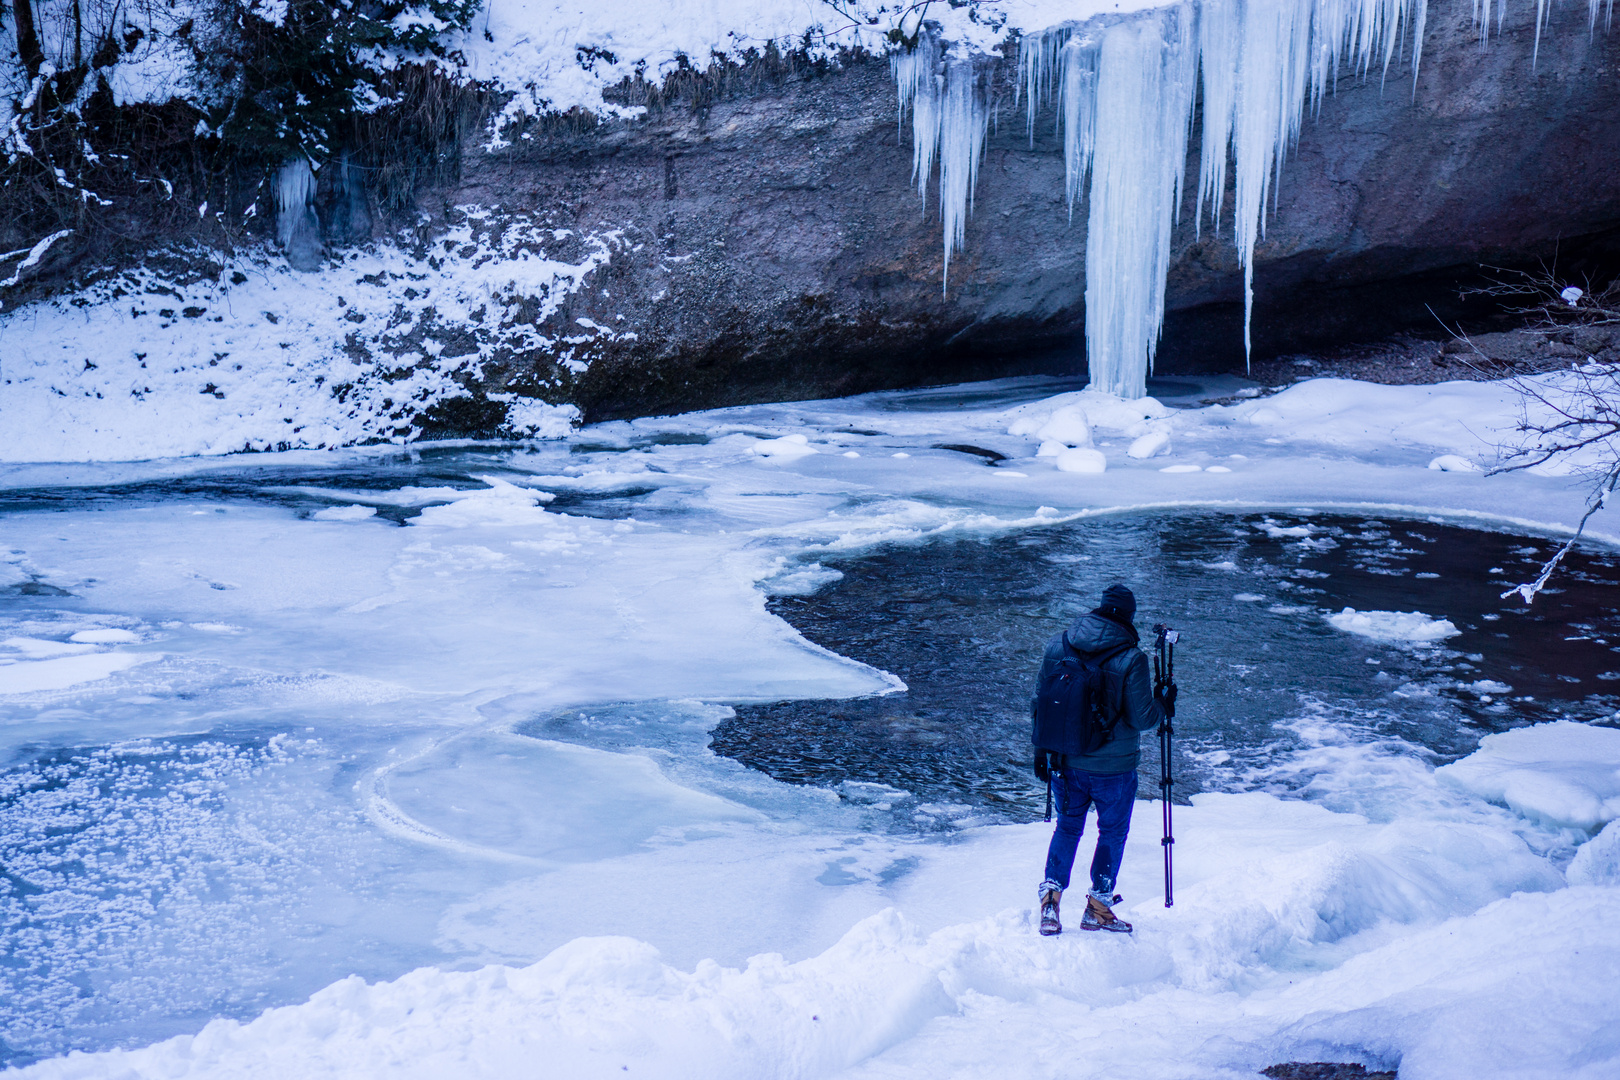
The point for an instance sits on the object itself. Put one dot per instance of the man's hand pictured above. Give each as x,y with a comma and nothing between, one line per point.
1166,697
1043,766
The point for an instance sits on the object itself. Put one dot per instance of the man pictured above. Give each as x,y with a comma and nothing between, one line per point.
1106,776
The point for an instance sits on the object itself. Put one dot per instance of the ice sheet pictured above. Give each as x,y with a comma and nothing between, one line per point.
434,658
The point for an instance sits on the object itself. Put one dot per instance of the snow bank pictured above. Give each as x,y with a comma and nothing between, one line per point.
1561,774
1472,421
1296,929
1409,626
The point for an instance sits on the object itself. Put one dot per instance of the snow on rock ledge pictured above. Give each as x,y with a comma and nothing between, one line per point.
205,357
1560,774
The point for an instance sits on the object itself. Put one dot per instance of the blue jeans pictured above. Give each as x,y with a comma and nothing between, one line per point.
1075,792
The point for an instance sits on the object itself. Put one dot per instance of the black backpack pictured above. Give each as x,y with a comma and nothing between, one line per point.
1071,717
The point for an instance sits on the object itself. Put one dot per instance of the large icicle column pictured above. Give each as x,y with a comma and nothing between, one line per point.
1125,94
1144,94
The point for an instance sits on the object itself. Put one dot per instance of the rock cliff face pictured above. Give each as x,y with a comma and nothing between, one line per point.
777,247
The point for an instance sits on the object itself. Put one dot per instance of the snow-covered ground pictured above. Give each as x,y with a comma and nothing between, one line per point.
309,727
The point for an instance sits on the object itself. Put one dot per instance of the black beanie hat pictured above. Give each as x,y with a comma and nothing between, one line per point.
1118,603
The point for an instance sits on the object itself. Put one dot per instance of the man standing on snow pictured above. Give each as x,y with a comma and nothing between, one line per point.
1106,775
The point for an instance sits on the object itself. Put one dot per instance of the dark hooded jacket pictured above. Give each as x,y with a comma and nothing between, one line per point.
1129,690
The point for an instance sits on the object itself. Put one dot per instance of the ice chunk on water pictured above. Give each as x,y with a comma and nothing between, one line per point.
105,636
65,671
1412,626
345,513
799,580
42,648
500,504
1560,774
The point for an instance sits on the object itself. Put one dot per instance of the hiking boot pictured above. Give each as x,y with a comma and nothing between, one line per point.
1099,916
1050,898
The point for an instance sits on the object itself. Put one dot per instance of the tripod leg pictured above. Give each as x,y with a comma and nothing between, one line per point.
1166,782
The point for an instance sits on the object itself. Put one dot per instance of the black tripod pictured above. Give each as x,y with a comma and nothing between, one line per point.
1164,675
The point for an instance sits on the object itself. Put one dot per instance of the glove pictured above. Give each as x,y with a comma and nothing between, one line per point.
1043,766
1166,697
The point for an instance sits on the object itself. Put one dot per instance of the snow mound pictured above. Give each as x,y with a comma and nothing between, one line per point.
787,448
1059,416
500,504
1150,445
1410,626
1082,460
1067,426
1560,774
1453,463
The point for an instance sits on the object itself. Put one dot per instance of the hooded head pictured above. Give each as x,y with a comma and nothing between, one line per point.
1118,605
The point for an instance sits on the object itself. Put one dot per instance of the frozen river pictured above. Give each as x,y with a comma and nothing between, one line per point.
269,722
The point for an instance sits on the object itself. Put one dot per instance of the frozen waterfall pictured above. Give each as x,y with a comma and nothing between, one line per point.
1125,89
295,192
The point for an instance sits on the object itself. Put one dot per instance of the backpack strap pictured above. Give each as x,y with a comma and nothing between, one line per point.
1102,659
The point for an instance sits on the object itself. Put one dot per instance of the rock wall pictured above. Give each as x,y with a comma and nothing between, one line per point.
778,249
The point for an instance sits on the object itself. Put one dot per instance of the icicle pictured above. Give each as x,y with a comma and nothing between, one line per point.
949,119
1124,90
1144,91
1077,94
1218,35
295,190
